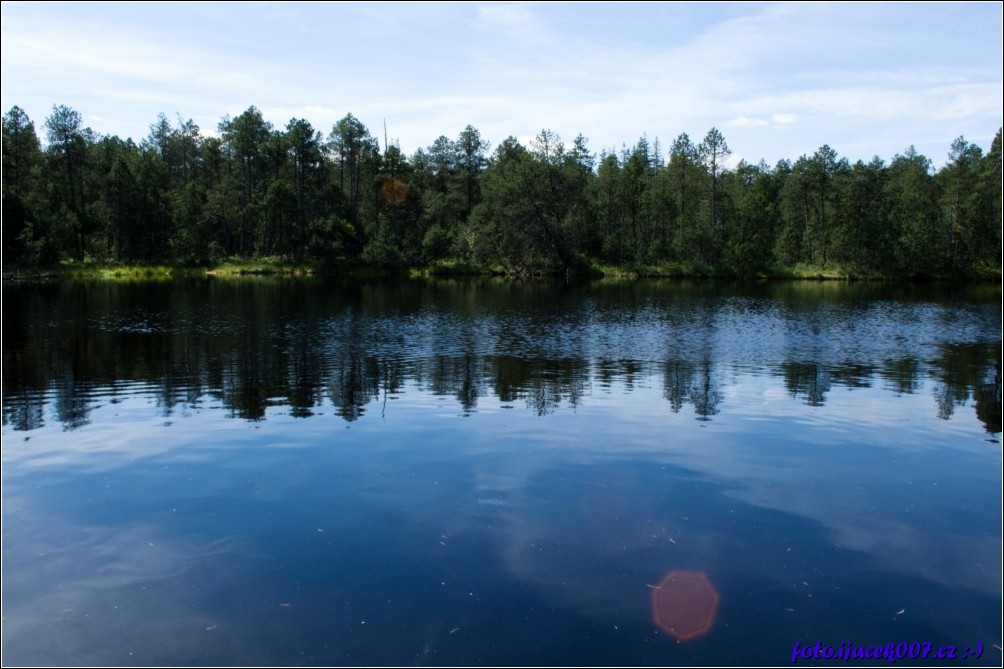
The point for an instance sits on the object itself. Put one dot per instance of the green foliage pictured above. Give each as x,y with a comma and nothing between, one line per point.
295,198
436,244
332,238
27,240
382,251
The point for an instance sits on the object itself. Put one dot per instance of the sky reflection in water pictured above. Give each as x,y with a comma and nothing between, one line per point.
469,472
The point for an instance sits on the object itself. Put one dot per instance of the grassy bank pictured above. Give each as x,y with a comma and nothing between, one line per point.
91,270
584,269
800,272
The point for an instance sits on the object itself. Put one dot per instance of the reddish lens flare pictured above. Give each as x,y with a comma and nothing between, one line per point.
684,604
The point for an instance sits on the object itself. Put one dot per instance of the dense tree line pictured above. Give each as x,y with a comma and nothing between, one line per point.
254,191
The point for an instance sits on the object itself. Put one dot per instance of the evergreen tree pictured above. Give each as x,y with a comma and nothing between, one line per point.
25,234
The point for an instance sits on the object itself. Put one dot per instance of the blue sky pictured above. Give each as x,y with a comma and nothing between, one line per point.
778,80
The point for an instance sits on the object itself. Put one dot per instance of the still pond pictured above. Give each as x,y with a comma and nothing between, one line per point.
452,472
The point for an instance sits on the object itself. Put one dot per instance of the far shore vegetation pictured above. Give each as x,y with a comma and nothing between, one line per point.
280,267
256,199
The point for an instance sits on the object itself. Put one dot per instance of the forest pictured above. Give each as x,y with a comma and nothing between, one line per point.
295,196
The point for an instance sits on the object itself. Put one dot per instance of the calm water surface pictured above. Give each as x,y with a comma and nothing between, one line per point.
477,472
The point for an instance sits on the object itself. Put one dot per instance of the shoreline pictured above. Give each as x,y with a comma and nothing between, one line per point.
588,271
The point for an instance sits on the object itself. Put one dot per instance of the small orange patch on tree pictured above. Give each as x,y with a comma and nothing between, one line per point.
394,191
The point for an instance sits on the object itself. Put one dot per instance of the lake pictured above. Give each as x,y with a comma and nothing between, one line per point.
451,472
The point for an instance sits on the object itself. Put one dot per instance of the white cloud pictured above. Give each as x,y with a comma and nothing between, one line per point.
746,122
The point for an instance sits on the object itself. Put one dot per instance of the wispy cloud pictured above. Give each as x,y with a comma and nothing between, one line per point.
821,73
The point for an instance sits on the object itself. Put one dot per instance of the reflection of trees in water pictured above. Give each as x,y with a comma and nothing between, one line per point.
254,349
685,382
510,376
23,412
677,377
806,380
543,384
627,372
23,407
704,393
463,377
72,405
304,390
304,376
353,382
811,381
557,380
392,378
470,384
902,375
242,389
947,396
852,375
962,372
254,377
183,372
988,401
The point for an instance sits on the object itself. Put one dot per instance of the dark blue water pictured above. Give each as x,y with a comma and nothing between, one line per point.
477,472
